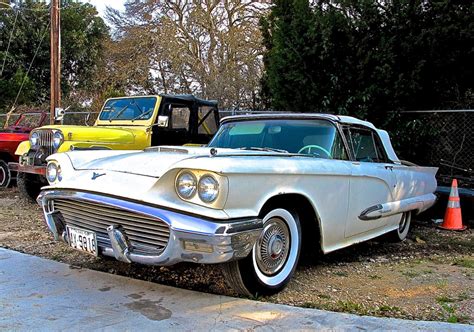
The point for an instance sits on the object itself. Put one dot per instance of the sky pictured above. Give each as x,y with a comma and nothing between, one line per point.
101,4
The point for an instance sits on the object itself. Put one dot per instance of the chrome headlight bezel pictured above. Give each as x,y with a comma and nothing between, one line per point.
188,179
208,188
53,172
34,139
214,188
58,139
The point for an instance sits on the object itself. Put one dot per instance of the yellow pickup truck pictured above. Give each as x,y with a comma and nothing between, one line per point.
125,123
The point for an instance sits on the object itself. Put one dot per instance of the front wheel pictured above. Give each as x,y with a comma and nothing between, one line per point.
274,257
29,186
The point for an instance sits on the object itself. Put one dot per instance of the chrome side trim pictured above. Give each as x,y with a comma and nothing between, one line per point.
419,204
223,240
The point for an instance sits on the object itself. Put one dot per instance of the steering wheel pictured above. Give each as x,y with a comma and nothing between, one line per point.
313,146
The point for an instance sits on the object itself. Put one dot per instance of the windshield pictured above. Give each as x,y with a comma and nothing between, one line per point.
29,120
140,108
318,138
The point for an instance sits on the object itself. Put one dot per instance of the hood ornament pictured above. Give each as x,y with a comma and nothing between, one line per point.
213,152
96,175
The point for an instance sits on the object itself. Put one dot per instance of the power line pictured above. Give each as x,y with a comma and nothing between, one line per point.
31,65
9,42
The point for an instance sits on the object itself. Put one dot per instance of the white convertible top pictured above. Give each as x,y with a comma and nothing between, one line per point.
384,137
352,120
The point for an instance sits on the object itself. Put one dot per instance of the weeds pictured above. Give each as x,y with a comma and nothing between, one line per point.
411,274
449,308
444,299
374,276
465,262
443,283
324,296
341,274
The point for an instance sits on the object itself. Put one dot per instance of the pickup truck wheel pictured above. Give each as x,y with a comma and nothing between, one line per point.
274,257
29,186
5,175
400,234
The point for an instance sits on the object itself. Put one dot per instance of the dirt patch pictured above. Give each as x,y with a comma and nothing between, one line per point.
429,276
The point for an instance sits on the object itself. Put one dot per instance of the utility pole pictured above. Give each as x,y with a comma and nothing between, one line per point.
55,59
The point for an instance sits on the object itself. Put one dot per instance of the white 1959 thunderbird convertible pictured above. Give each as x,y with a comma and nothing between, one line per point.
266,188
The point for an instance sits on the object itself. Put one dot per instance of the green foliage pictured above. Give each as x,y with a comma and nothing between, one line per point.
369,58
82,36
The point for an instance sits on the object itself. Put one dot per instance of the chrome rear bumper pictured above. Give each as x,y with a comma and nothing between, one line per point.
191,238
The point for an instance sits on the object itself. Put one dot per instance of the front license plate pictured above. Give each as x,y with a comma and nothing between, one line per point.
82,240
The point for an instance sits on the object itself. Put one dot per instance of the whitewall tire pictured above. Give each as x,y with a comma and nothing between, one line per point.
274,257
400,234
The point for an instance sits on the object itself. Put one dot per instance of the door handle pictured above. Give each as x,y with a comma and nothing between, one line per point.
389,167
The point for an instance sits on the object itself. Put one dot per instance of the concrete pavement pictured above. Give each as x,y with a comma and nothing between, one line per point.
39,294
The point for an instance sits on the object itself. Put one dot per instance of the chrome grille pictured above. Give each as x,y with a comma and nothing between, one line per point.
147,235
46,140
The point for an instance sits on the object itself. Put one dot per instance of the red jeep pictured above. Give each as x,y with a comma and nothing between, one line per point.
14,134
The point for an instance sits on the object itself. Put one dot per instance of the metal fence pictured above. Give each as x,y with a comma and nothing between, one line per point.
449,136
70,118
450,143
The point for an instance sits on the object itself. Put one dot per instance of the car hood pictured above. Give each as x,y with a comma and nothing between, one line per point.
97,133
12,136
152,162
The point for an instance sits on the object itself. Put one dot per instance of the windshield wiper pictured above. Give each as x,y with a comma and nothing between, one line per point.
119,113
132,102
142,115
253,148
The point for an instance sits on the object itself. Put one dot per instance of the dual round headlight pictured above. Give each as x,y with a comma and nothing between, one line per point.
207,187
186,185
53,172
34,139
58,139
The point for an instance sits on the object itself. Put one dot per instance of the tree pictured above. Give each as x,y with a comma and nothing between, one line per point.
210,48
369,58
82,37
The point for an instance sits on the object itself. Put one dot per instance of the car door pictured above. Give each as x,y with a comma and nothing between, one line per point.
372,180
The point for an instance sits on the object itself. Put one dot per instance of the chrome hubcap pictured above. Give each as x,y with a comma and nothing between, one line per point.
273,246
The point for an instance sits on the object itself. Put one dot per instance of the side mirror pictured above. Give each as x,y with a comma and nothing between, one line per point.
163,121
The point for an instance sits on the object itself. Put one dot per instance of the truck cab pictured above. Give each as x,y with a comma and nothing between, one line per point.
124,123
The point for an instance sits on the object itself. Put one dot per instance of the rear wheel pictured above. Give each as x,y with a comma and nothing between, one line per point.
274,257
5,175
400,234
29,186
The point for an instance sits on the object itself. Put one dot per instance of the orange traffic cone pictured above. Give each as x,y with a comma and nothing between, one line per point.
452,218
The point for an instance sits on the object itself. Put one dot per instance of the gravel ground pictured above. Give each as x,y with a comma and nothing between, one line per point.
429,276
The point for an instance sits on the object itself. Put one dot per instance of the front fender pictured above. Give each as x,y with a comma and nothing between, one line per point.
23,148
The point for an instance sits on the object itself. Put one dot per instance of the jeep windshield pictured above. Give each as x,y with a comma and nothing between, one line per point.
128,109
312,137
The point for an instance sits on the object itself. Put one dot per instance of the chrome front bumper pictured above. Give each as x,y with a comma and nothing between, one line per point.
191,239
